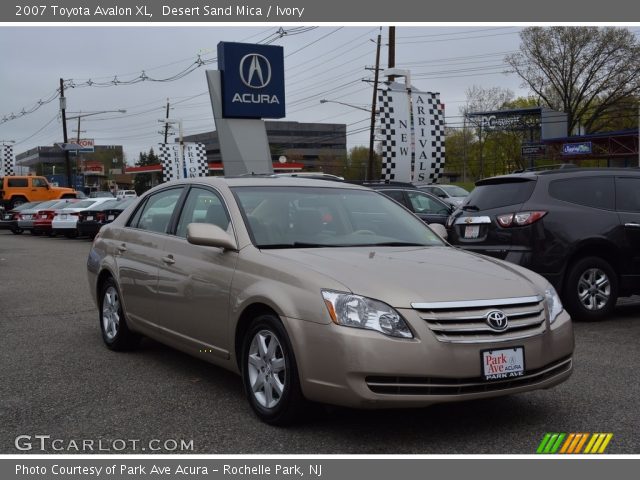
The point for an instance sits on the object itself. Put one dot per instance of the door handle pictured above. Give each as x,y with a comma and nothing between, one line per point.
122,248
169,260
632,225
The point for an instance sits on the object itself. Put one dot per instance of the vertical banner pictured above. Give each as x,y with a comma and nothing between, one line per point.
7,161
428,127
195,160
396,135
169,154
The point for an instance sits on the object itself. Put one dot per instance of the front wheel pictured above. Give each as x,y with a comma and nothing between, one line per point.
269,372
591,289
113,324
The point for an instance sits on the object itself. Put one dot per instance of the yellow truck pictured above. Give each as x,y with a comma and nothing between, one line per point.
16,190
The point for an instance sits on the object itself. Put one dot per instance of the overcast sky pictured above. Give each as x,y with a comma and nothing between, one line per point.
321,63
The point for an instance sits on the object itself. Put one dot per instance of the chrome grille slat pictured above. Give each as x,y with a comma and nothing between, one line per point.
465,321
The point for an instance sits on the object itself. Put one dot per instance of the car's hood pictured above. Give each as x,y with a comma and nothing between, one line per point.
401,276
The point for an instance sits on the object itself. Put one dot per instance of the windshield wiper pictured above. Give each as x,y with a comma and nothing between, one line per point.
295,245
392,244
470,207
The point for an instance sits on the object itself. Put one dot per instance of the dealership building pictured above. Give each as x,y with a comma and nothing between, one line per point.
304,143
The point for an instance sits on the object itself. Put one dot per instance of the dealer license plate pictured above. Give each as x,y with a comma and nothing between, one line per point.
8,216
89,217
503,364
63,216
26,217
111,217
472,231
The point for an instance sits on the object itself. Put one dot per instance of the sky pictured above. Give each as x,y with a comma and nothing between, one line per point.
320,63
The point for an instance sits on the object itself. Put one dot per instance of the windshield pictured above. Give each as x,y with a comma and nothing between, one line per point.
454,190
303,217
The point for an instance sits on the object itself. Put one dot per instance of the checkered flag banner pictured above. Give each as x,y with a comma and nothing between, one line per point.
7,161
396,135
195,160
428,126
169,154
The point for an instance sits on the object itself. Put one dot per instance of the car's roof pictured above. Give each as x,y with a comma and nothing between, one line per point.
266,181
556,173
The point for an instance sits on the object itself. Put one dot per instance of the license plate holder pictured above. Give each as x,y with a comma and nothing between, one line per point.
502,363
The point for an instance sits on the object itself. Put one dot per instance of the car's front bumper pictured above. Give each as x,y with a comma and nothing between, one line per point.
360,368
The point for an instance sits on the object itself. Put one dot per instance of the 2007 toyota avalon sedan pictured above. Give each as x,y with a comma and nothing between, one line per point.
314,290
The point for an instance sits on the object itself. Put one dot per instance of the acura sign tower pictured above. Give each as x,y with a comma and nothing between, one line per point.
248,87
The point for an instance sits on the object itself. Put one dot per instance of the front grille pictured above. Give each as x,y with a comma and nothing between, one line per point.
466,321
460,386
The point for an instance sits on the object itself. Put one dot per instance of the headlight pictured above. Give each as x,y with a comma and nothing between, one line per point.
361,312
554,305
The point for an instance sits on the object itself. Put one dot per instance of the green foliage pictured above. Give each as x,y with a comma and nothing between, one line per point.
142,181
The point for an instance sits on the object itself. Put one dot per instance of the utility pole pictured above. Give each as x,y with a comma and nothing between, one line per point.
166,123
65,139
392,51
373,109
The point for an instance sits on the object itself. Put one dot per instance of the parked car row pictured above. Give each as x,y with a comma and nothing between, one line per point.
68,217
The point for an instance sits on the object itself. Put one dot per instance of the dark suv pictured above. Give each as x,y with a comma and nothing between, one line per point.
579,228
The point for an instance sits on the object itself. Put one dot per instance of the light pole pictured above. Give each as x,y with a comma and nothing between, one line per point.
373,113
80,116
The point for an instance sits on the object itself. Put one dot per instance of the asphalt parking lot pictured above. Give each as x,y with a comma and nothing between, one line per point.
59,380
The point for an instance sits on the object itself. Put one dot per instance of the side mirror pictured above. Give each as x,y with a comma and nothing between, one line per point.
439,230
208,235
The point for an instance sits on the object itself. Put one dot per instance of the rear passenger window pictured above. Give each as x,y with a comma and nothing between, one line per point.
17,182
628,194
202,206
157,211
596,192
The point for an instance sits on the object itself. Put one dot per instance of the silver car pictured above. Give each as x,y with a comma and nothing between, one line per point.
316,290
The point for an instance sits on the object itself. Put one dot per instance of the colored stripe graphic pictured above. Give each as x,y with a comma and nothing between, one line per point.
573,443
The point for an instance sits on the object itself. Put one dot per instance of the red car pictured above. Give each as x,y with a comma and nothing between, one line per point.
43,219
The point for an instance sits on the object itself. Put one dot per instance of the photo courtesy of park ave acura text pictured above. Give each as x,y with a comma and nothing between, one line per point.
277,238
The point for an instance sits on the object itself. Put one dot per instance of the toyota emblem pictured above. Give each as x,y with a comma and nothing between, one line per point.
497,320
255,70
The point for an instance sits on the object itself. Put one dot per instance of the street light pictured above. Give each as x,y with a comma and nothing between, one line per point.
373,112
368,110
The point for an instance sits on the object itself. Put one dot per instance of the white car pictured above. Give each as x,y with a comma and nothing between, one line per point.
451,194
126,194
66,219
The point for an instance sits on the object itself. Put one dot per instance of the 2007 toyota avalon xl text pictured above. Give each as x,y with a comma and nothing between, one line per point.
323,291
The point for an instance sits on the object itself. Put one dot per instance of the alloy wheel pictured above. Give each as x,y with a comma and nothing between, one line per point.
594,289
266,369
111,313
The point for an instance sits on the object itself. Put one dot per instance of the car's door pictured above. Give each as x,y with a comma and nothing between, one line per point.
628,208
39,189
427,207
194,282
139,251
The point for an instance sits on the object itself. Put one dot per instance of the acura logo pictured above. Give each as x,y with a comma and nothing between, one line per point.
497,320
255,70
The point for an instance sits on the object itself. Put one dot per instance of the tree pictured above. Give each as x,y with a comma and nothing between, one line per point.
142,181
586,72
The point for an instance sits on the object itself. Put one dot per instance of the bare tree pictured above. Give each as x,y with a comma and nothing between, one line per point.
583,71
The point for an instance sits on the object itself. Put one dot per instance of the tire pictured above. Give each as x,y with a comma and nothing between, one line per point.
113,324
270,373
17,231
17,201
591,289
